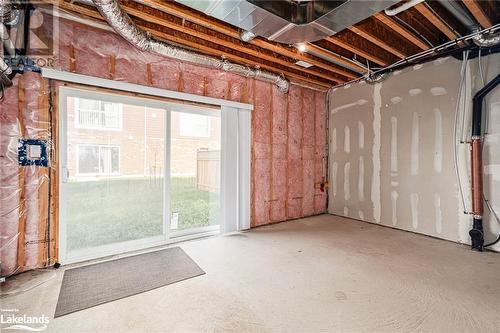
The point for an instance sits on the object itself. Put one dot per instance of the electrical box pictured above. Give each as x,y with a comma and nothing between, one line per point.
32,152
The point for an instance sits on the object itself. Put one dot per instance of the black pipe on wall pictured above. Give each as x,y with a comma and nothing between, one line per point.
476,233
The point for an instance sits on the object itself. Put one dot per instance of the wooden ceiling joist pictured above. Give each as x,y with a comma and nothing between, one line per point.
94,14
378,41
401,30
138,13
207,22
478,13
356,50
328,54
436,21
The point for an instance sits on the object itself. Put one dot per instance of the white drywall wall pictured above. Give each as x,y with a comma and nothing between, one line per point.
391,150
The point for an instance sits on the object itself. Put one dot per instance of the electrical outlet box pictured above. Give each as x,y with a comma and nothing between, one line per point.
32,152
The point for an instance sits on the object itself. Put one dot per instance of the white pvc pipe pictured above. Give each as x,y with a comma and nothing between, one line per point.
403,7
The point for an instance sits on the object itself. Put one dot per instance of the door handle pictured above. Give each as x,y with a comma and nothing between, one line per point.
65,174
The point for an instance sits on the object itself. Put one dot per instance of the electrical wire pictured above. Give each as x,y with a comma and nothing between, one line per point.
496,218
456,142
486,125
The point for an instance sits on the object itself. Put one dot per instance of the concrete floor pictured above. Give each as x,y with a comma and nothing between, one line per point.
323,273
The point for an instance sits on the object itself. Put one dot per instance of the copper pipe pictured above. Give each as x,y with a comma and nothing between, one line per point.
477,177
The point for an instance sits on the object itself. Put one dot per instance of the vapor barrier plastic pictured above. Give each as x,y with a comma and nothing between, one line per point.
288,137
23,189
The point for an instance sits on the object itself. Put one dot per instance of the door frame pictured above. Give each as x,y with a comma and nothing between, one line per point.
125,247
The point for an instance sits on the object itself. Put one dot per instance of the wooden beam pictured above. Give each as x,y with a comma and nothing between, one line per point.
22,182
329,54
436,21
229,44
478,13
212,24
378,41
401,30
232,57
94,14
339,42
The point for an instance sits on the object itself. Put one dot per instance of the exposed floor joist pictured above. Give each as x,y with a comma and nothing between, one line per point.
198,18
376,40
372,43
401,30
361,52
154,29
436,21
478,13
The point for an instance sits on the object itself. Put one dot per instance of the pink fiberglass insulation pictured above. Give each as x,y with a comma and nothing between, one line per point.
261,133
9,181
308,138
320,157
295,127
288,131
279,156
20,120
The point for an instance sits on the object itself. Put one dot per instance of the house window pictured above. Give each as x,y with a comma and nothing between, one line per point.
98,160
96,114
194,125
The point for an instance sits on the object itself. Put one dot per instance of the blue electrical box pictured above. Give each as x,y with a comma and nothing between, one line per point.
33,152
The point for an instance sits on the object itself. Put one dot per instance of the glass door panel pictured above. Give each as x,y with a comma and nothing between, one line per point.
195,140
112,173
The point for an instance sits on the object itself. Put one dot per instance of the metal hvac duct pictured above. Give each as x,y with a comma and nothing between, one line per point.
456,9
5,10
125,27
486,40
481,40
290,21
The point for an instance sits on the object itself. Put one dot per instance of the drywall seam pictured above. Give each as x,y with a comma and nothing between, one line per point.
414,210
394,146
347,184
361,179
394,202
377,123
347,139
361,135
415,145
438,141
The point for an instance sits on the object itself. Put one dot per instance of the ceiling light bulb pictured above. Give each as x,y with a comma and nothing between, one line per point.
301,47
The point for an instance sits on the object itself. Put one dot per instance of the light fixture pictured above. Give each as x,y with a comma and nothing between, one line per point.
301,47
303,64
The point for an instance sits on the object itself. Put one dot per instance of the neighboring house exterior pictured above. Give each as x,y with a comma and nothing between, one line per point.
108,139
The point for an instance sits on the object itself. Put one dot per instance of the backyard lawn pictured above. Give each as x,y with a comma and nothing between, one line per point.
116,210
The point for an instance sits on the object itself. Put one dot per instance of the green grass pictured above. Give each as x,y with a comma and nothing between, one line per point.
104,212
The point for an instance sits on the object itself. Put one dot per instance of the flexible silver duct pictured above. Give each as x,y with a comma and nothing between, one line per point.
5,10
125,27
375,77
487,40
247,36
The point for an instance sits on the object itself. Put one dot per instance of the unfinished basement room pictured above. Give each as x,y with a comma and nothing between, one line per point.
250,166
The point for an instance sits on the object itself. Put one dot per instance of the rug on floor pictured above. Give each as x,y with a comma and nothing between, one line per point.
87,286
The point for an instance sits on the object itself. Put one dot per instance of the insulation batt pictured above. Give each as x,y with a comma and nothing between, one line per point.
288,134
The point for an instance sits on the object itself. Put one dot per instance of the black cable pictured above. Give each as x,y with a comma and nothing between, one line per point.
494,242
50,141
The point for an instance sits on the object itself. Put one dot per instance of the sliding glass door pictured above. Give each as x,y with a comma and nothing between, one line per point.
126,164
195,141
